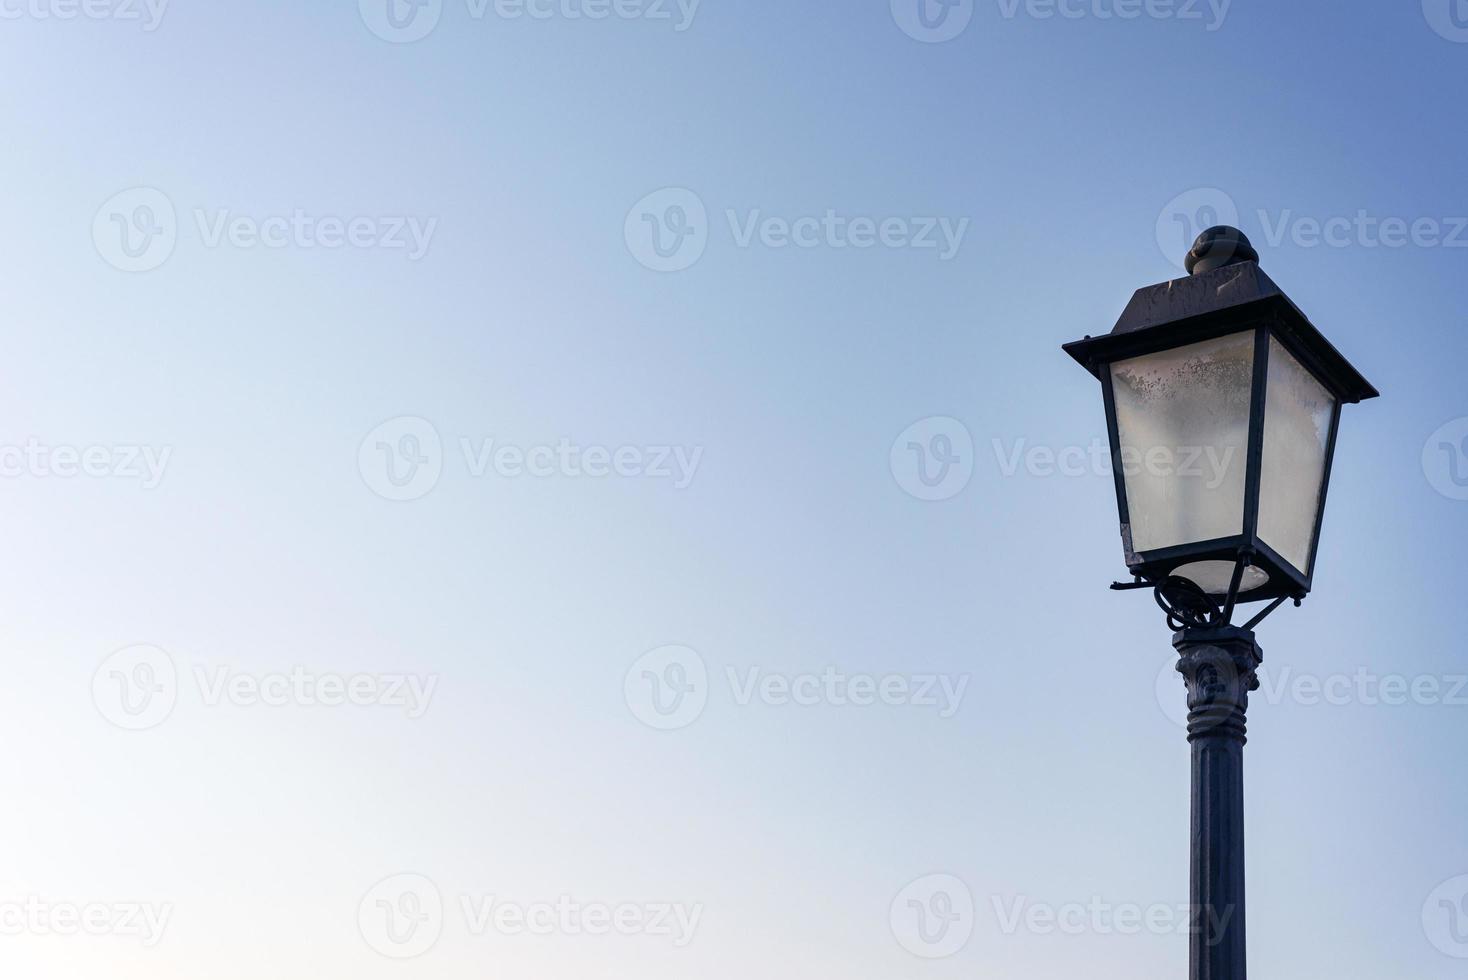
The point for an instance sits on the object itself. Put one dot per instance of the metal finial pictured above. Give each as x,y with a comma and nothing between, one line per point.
1219,246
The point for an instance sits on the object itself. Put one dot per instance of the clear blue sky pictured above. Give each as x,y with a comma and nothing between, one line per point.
1053,148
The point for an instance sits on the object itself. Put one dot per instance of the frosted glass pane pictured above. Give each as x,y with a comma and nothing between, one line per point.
1182,417
1297,413
1214,577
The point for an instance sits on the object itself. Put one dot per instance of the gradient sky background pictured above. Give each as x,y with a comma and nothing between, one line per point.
1065,142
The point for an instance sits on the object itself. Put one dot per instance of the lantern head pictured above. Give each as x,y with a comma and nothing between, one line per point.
1222,407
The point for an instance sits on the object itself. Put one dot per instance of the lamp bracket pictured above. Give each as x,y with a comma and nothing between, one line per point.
1188,605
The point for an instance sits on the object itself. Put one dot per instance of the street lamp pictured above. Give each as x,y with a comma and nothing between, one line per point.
1222,406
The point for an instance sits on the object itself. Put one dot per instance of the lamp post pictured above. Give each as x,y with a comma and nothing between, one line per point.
1222,407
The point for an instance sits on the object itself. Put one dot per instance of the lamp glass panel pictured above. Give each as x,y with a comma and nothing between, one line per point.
1297,414
1214,577
1182,420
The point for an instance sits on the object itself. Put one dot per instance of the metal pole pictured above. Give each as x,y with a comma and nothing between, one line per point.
1219,666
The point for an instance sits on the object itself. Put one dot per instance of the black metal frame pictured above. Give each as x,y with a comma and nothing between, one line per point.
1189,607
1267,312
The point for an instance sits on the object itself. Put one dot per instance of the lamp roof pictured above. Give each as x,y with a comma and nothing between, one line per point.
1233,296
